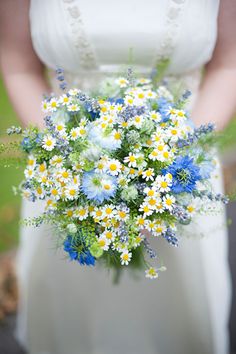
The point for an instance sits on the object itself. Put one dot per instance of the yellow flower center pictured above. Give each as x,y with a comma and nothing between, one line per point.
65,174
113,167
141,221
168,201
42,168
82,212
54,192
122,214
72,192
125,257
108,211
107,187
132,158
117,134
109,235
164,184
148,173
166,154
69,213
30,162
73,134
152,202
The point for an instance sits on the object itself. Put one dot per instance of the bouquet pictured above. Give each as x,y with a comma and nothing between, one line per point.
117,170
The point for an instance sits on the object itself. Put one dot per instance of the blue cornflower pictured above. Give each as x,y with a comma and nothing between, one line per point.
118,100
185,174
163,106
76,251
206,168
86,258
90,109
98,186
104,139
38,138
26,144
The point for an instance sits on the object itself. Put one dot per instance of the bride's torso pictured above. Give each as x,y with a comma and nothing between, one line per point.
86,37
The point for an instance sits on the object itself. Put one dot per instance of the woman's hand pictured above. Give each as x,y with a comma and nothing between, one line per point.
217,98
22,71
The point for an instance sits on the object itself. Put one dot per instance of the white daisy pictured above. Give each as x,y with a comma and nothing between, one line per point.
65,100
173,133
139,96
151,94
148,174
40,192
64,175
101,165
53,104
29,172
151,273
131,160
104,243
113,167
122,215
151,192
146,209
125,257
122,82
150,225
152,202
108,210
97,213
57,161
78,166
54,193
45,106
60,127
31,162
160,208
42,168
109,235
137,121
168,201
129,100
74,133
159,228
138,240
81,213
73,107
71,192
48,142
155,116
73,92
163,184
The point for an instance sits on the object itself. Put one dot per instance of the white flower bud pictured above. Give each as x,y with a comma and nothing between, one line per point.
72,228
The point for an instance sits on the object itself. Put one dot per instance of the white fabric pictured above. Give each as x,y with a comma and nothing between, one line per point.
70,309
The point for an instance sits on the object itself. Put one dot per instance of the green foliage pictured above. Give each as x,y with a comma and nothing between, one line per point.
160,71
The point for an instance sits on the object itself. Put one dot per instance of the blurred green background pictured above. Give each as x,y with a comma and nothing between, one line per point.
11,176
9,203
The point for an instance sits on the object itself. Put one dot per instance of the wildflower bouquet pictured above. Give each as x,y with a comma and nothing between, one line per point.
118,170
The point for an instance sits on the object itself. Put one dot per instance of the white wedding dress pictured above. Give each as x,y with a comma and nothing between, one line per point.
69,309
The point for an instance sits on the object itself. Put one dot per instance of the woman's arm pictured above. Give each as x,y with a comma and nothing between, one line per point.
22,71
217,99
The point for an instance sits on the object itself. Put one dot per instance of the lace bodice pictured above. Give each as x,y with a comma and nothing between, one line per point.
86,35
